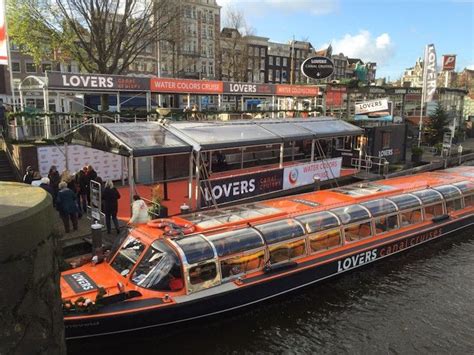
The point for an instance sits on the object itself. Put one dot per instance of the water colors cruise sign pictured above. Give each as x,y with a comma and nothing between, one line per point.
303,174
317,67
96,82
186,86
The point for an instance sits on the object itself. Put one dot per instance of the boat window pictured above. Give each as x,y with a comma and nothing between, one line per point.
325,240
315,222
159,269
235,241
202,273
275,232
411,217
127,256
433,211
287,251
448,191
352,213
428,196
386,224
380,206
453,205
242,264
469,200
358,231
405,201
196,249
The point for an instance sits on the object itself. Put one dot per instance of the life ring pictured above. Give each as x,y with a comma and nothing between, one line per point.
160,223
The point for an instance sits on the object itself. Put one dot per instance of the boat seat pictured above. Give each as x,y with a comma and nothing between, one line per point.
319,244
415,217
254,264
428,216
333,241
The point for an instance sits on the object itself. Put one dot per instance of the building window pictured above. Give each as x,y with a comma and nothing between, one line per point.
16,68
46,67
262,52
211,68
277,75
211,32
203,68
283,76
270,60
256,51
385,140
277,60
270,75
30,68
285,62
262,64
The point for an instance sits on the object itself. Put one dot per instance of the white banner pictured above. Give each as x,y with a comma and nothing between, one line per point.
107,165
3,35
299,175
429,73
371,106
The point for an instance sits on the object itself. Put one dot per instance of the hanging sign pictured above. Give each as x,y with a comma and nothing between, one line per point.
317,67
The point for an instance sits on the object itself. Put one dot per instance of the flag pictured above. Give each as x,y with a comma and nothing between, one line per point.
3,35
429,73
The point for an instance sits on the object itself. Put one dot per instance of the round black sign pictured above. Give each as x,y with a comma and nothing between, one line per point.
317,67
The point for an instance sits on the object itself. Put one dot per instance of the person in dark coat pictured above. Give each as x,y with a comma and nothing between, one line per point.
110,197
54,180
45,185
91,174
82,183
29,176
67,206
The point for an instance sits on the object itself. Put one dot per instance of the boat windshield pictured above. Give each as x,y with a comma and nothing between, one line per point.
127,256
159,269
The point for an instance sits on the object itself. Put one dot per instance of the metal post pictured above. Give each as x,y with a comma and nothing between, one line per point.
190,181
281,155
65,156
131,180
273,106
189,100
242,106
313,142
47,120
122,177
198,181
219,102
148,101
118,101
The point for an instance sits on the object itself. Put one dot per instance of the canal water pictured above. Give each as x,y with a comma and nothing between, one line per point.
421,301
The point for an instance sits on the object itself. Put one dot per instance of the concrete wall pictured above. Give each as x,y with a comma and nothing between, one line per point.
30,302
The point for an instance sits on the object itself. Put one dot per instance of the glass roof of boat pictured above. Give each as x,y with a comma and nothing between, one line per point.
235,241
215,218
465,186
278,231
405,201
351,213
380,206
318,221
428,196
448,191
196,248
362,189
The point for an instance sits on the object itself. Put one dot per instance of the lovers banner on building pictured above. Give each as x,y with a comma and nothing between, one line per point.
429,73
242,186
303,174
96,82
107,165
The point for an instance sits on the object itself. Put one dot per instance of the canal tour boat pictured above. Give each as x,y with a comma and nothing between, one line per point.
189,267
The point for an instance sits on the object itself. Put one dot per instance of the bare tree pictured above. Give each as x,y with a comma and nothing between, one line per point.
104,36
234,46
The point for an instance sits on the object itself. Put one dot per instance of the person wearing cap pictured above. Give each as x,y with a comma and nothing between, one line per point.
45,185
29,176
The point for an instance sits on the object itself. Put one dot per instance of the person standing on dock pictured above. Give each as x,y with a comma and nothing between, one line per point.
111,197
67,206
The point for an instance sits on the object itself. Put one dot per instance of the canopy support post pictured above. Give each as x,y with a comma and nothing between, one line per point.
198,181
118,101
312,150
281,155
47,119
273,106
148,101
122,177
190,181
131,180
219,102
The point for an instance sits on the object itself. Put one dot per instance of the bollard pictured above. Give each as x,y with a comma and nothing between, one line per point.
185,209
96,229
317,181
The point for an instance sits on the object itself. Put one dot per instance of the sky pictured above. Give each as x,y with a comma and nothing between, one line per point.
392,33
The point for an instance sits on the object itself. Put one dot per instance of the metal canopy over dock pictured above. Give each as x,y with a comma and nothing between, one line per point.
156,138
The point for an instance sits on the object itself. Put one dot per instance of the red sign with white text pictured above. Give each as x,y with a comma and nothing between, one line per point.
296,90
449,62
335,96
186,86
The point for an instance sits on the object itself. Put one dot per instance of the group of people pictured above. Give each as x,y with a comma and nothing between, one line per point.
71,194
